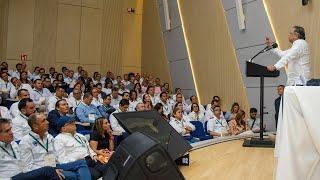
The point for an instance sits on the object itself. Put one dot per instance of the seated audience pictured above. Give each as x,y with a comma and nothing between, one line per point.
61,109
101,139
150,92
180,124
115,98
38,142
217,126
11,166
179,99
196,114
5,84
216,100
159,108
253,121
107,87
20,125
140,107
123,107
209,112
194,99
58,95
39,94
47,84
96,97
106,109
71,146
167,108
138,89
76,99
86,112
147,102
233,112
17,86
238,126
22,94
133,101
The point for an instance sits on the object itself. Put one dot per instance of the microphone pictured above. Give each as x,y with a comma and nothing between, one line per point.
268,48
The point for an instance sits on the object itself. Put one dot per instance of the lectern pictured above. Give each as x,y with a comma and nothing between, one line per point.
256,70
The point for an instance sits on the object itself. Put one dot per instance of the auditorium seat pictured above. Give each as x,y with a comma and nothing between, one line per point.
199,132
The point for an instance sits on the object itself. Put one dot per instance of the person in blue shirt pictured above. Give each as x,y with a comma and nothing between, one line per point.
106,109
86,112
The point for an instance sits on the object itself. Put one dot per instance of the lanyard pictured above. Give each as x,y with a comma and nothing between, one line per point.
44,147
220,122
14,154
40,92
78,139
254,121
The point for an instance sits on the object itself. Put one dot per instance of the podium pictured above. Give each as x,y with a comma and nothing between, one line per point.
256,70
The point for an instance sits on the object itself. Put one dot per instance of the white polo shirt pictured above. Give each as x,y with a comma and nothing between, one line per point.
217,125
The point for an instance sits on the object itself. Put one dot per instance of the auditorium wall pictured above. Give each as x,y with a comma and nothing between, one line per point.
98,34
283,19
212,54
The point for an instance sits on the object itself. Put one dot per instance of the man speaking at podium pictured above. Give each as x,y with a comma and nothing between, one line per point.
297,58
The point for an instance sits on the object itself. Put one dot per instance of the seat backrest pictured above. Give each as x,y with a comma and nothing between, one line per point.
199,132
205,127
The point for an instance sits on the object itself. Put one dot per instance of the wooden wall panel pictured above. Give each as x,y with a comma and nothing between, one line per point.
68,34
4,6
20,28
283,19
71,2
112,36
93,3
216,69
45,33
153,55
90,44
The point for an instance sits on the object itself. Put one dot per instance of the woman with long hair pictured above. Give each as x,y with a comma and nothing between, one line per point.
101,139
235,108
238,125
195,114
147,102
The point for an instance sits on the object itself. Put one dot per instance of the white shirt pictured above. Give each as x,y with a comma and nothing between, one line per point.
32,153
20,126
106,90
97,101
133,105
14,110
167,108
5,86
115,102
197,117
70,148
52,103
38,96
201,108
180,125
9,165
115,126
14,91
73,102
5,112
217,125
297,59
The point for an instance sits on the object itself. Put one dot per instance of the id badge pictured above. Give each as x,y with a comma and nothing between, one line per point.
91,117
50,160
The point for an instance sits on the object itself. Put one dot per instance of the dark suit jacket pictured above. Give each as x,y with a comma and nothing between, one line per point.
53,117
277,106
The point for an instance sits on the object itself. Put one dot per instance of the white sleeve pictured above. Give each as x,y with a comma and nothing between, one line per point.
180,130
210,125
190,125
51,104
291,54
13,93
5,113
60,153
279,52
115,126
17,129
14,111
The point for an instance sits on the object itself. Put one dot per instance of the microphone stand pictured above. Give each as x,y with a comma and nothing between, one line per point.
268,48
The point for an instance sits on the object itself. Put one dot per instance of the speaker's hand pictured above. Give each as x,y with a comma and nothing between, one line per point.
271,68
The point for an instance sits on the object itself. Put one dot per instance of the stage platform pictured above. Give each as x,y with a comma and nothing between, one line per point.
230,161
